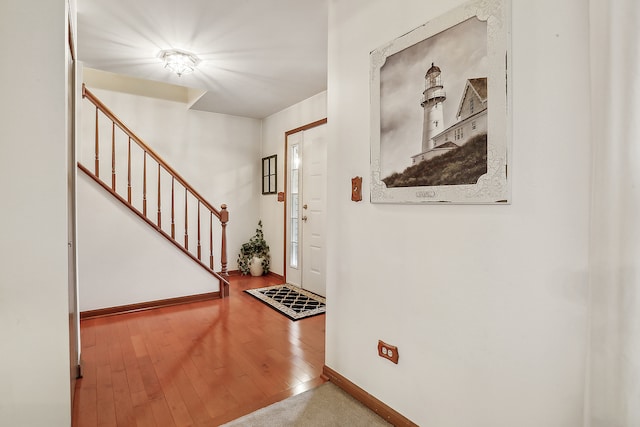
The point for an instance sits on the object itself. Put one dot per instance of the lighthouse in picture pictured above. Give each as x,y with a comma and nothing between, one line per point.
432,99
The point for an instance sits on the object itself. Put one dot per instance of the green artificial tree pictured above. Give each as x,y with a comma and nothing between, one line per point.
255,247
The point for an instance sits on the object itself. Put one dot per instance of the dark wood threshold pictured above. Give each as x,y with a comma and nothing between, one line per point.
149,305
380,408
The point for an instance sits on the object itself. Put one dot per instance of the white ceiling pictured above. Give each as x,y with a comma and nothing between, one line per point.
258,56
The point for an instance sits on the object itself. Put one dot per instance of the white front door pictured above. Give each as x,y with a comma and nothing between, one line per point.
314,188
306,212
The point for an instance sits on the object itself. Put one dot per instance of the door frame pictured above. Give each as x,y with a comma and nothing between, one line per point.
286,182
73,81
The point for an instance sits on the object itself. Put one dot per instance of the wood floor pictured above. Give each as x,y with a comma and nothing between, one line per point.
199,364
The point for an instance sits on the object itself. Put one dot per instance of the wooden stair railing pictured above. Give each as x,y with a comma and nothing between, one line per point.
167,175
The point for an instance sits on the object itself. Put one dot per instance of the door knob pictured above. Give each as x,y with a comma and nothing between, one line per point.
304,218
304,206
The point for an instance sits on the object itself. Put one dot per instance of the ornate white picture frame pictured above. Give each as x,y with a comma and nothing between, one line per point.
440,110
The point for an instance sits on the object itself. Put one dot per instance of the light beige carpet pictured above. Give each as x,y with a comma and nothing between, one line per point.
326,405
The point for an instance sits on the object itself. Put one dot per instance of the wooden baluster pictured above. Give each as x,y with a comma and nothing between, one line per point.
144,184
159,214
199,247
129,172
223,215
113,156
211,240
97,162
173,216
186,225
224,218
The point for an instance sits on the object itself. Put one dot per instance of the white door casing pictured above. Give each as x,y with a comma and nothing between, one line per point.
305,214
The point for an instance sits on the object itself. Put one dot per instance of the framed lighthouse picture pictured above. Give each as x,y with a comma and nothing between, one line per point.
440,110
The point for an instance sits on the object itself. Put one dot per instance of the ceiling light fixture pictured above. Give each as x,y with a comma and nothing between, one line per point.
179,61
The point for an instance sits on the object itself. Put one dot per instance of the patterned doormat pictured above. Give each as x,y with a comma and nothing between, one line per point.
292,301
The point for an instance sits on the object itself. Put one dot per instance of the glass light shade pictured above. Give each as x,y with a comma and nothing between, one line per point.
178,61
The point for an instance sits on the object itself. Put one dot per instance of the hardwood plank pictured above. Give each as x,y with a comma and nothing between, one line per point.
134,379
122,398
106,408
244,389
161,413
215,397
195,405
139,398
149,379
176,404
144,415
201,363
85,406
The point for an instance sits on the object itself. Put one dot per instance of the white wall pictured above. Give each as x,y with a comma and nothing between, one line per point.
273,142
487,304
34,305
219,155
614,380
124,261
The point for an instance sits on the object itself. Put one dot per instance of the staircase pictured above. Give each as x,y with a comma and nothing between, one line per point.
141,180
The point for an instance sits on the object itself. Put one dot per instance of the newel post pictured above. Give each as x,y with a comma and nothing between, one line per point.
224,218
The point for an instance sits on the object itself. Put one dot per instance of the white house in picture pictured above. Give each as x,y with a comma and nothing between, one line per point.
471,116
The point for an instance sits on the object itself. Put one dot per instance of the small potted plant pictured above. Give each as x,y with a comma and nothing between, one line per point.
254,255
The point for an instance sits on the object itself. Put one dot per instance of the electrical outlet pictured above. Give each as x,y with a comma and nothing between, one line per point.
388,351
